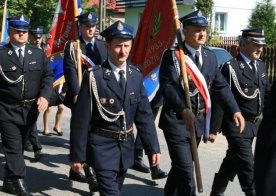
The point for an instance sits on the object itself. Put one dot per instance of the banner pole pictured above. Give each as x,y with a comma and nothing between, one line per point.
187,97
78,54
4,21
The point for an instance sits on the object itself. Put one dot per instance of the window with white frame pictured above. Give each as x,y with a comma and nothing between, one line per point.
220,22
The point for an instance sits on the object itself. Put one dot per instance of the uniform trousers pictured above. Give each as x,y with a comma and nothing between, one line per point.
14,137
239,160
181,176
110,182
34,141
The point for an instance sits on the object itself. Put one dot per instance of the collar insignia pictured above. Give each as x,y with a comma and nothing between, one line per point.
129,71
242,66
10,52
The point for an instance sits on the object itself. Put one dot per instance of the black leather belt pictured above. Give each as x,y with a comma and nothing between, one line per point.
198,112
253,119
25,102
121,136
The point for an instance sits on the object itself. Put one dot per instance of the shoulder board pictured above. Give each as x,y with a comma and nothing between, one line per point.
96,67
206,48
260,60
134,68
33,46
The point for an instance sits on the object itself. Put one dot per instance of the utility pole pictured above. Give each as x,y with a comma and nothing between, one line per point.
102,16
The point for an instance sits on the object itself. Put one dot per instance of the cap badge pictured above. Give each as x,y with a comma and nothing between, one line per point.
22,18
37,29
120,26
13,68
199,14
90,16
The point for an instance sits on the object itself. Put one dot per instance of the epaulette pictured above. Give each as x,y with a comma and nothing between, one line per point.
260,60
33,46
96,67
135,68
206,48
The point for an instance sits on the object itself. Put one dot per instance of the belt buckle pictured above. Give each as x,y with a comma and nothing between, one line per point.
122,137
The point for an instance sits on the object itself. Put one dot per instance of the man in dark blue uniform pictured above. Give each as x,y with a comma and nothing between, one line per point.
265,154
33,143
36,35
112,98
247,76
95,50
25,89
176,118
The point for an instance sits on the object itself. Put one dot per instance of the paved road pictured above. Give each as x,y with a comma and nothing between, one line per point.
50,176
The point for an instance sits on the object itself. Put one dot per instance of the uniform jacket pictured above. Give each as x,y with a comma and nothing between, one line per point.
174,96
248,106
108,153
70,72
38,80
265,171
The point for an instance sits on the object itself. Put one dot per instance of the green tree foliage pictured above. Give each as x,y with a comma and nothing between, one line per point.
40,12
263,16
206,6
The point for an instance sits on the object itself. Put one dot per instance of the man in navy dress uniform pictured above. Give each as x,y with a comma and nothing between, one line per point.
33,143
111,99
265,154
176,118
247,76
95,50
25,89
36,35
90,46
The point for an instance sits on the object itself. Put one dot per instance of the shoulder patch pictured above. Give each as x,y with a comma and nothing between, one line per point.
134,68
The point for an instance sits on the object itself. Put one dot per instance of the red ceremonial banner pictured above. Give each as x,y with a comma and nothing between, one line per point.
155,33
62,28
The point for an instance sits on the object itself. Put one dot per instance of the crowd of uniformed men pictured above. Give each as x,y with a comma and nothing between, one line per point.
112,98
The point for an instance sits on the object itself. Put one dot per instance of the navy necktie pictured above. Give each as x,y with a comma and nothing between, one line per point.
122,81
197,61
20,56
252,63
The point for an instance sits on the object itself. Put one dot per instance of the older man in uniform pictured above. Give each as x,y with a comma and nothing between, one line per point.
25,89
247,76
112,98
95,50
176,119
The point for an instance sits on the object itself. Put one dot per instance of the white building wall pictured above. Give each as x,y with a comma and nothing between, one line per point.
238,13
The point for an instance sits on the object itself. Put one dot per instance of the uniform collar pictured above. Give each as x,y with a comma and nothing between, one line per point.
87,42
192,50
16,48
